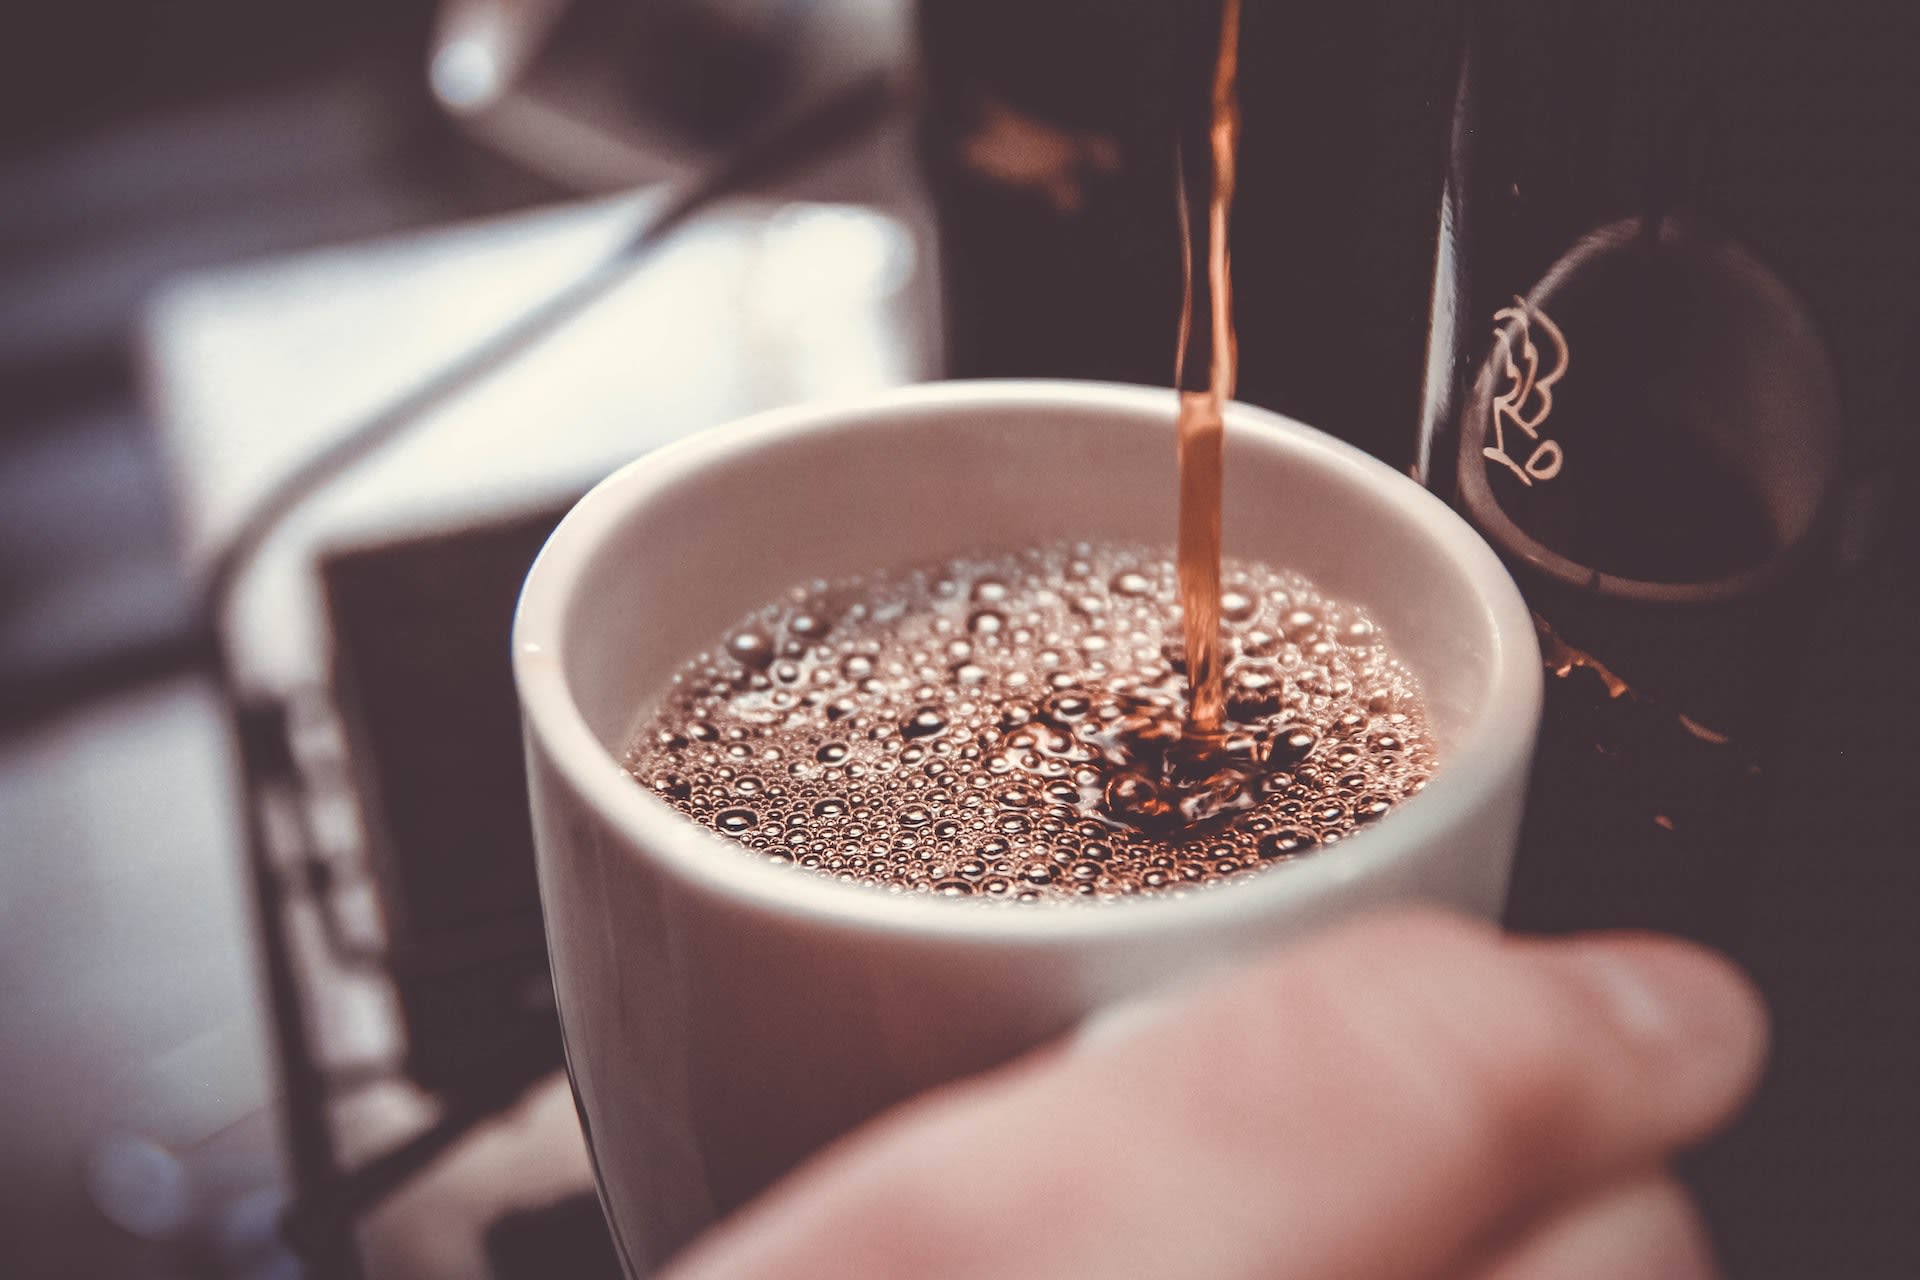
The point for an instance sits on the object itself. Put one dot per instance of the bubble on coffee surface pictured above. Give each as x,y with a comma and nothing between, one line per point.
1013,728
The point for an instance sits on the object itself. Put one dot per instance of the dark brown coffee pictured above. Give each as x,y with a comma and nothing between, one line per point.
1015,728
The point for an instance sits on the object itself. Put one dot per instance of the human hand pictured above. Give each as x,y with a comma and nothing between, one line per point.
1409,1097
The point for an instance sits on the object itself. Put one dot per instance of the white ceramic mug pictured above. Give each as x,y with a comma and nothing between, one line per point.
724,1016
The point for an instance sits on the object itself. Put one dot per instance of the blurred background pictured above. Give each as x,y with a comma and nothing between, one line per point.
228,234
314,317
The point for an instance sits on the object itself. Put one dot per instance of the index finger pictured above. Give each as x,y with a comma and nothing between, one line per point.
1376,1101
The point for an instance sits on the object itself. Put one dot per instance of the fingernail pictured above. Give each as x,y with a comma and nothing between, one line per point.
1673,998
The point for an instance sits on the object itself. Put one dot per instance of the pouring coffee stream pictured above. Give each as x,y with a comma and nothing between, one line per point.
1174,773
1203,767
1200,425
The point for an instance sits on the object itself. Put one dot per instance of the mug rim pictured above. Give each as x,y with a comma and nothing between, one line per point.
1493,743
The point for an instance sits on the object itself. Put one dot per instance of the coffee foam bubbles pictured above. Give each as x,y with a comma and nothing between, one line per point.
1013,728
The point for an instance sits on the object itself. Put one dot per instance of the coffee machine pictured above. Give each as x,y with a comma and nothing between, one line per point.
1634,287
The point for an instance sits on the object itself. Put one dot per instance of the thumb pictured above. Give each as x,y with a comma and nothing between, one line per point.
1377,1101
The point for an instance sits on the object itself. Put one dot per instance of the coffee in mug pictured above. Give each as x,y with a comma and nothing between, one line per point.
724,1017
1015,727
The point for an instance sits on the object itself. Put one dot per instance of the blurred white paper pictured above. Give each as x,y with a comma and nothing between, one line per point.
756,304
